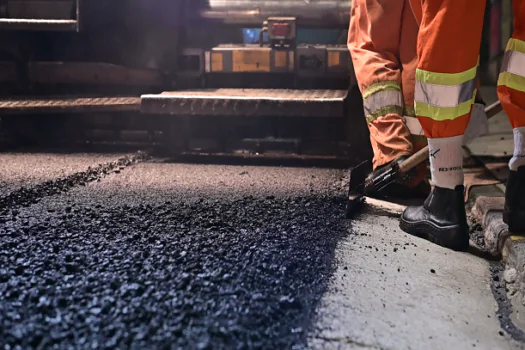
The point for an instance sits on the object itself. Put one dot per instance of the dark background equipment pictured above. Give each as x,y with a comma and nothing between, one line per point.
229,77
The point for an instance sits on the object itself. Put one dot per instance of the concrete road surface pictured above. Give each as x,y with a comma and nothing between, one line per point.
152,254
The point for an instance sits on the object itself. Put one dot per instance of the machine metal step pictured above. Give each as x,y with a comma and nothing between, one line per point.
40,15
68,104
55,25
248,103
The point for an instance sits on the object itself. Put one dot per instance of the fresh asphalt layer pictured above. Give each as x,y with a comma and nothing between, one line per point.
146,253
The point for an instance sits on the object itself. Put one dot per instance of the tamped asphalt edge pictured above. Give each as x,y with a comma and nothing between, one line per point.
485,207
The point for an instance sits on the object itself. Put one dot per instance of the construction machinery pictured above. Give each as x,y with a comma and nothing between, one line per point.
255,78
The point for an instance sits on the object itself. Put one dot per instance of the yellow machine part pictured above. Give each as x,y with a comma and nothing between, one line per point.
249,60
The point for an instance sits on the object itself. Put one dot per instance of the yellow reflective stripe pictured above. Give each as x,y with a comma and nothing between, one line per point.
381,100
444,113
513,62
512,81
384,111
512,73
516,45
446,78
380,86
444,95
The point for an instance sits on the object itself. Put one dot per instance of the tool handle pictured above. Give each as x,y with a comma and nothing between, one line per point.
422,154
414,160
493,109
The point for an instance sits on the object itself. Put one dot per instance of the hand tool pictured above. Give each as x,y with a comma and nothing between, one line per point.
360,185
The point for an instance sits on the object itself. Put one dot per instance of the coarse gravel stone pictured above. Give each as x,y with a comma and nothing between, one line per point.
239,273
185,256
510,275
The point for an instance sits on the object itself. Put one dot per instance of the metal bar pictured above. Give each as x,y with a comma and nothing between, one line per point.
265,158
248,102
69,105
323,13
77,11
55,25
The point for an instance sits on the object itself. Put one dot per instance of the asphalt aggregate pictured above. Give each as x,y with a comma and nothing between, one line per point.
134,252
228,271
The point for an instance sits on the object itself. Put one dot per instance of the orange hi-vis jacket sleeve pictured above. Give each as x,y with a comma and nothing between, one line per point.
382,41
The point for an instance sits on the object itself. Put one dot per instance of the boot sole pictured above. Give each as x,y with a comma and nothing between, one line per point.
452,237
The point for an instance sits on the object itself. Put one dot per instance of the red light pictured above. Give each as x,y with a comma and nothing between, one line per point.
280,29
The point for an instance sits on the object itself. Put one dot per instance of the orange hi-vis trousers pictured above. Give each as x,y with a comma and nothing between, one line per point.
448,48
382,40
511,82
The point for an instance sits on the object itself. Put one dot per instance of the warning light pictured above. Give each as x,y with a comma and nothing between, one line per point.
280,29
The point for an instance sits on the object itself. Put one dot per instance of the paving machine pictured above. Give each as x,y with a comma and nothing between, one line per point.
248,78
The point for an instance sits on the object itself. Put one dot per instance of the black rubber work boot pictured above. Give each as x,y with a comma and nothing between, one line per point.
514,210
400,189
442,219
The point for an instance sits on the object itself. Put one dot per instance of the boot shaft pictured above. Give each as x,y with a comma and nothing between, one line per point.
514,210
447,206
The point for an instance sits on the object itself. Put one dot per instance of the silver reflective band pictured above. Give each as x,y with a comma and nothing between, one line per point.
382,99
444,95
514,62
414,126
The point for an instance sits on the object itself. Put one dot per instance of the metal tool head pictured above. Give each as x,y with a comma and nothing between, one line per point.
382,179
356,193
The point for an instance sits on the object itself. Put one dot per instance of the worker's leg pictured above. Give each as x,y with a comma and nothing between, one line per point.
417,10
511,92
448,50
408,60
373,41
